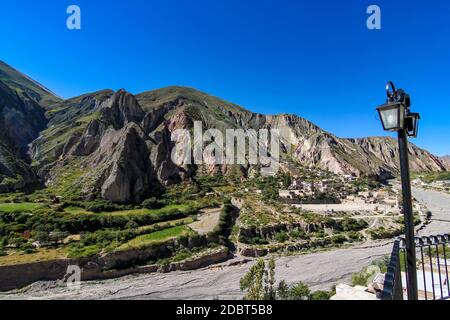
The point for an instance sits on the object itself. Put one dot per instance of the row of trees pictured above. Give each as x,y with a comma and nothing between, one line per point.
259,284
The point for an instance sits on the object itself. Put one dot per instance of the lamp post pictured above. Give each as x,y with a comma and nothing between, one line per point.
395,116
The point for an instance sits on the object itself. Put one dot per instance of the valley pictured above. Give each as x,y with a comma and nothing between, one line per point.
90,181
222,280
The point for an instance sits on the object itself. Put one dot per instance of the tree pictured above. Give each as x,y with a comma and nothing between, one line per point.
283,290
259,281
252,282
299,291
269,292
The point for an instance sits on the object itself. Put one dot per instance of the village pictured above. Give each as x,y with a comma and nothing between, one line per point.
340,194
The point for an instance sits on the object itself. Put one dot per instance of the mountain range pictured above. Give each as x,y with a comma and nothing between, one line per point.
117,146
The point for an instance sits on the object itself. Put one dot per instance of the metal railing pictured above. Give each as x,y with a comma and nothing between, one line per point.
392,289
433,266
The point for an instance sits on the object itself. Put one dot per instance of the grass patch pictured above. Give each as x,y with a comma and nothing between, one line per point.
18,207
124,213
77,252
166,210
39,255
156,237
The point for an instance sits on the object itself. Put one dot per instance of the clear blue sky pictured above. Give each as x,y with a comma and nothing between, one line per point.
315,58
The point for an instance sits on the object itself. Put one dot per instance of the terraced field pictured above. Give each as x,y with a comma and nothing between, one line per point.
32,232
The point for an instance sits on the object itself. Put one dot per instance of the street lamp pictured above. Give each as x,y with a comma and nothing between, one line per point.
412,124
395,116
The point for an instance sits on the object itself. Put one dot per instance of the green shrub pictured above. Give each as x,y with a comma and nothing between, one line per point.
382,233
321,295
354,236
349,224
153,203
281,237
338,239
299,291
299,234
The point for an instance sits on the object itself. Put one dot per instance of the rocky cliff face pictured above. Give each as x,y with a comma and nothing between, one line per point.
21,120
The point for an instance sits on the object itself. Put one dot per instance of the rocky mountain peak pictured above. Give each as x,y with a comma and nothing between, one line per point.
121,109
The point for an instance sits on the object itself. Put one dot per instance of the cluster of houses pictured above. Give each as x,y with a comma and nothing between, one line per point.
301,188
440,185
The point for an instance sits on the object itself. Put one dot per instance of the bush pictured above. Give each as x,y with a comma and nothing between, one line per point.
281,237
349,224
27,248
131,225
299,291
382,233
322,295
153,203
354,236
338,239
299,234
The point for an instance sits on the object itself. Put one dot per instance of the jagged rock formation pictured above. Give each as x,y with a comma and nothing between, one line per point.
118,146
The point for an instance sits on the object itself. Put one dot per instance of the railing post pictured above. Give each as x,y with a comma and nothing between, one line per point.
392,288
398,287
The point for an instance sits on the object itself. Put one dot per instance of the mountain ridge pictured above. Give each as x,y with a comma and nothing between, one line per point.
117,145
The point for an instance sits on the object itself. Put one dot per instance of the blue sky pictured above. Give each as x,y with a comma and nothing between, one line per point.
315,58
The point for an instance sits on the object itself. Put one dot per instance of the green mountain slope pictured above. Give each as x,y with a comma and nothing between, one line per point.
23,84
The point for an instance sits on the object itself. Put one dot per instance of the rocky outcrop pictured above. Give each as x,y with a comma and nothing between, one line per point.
130,171
121,109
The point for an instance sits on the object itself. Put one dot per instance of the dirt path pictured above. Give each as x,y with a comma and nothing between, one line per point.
318,270
208,220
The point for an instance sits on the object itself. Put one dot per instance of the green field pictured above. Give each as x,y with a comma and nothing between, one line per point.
18,207
155,237
166,210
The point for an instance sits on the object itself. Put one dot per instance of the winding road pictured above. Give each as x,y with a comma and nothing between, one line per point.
319,270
